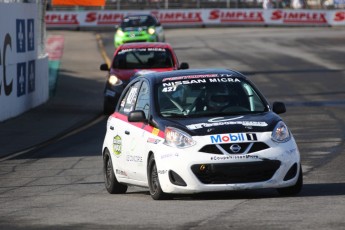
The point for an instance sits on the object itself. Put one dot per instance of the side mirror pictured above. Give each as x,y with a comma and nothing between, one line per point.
184,65
137,116
279,107
104,67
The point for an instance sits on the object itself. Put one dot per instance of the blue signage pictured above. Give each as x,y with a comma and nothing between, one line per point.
20,35
31,35
31,76
21,78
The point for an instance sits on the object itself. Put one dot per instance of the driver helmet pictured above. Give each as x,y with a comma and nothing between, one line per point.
217,97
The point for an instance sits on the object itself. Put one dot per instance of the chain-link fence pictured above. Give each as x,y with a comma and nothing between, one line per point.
197,4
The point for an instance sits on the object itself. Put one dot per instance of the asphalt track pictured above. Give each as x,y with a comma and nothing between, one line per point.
60,185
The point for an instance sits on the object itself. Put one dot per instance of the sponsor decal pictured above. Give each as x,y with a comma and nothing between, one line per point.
178,17
104,18
236,16
233,137
117,145
339,17
63,19
232,157
162,171
152,140
224,80
132,96
189,77
299,17
244,123
155,131
168,155
120,172
134,158
171,86
142,49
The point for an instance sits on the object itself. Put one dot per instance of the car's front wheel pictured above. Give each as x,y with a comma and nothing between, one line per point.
111,183
156,191
108,106
295,189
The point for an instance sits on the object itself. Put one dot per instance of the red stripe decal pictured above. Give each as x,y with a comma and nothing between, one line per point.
140,125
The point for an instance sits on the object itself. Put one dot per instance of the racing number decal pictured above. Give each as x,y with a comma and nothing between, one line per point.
169,89
117,145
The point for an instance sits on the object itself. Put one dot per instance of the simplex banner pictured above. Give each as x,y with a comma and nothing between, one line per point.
200,17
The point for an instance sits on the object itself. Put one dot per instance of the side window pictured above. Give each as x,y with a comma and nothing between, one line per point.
143,102
128,101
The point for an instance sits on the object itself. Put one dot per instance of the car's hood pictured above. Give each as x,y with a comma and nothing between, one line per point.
226,124
126,74
131,29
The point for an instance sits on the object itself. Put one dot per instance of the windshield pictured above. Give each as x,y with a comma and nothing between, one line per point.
138,21
143,58
207,97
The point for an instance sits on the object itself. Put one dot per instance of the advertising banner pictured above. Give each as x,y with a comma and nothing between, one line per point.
20,77
200,17
79,2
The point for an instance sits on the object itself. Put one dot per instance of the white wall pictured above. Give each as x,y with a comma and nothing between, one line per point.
23,75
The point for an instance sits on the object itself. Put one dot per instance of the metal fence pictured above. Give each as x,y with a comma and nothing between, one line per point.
197,4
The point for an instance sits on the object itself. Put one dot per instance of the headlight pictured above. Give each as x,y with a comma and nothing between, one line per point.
113,80
177,138
119,32
281,133
151,31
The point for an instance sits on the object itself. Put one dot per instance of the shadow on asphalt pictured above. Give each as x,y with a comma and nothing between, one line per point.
309,190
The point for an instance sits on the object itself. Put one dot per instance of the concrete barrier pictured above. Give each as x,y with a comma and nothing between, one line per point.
23,72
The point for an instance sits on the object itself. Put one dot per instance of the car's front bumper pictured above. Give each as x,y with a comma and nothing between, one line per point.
126,38
190,171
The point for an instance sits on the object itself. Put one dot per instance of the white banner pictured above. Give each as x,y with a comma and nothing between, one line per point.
23,77
201,17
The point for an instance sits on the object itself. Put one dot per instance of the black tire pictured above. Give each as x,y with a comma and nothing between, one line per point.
110,181
295,189
153,181
108,107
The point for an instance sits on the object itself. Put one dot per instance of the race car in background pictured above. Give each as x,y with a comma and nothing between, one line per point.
203,130
139,28
130,58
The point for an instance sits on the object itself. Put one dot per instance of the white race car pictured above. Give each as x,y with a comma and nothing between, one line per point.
202,130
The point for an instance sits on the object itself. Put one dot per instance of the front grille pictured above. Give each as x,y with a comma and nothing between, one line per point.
249,147
135,41
231,173
135,34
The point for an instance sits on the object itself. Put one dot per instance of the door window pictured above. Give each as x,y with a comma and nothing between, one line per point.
128,102
143,102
